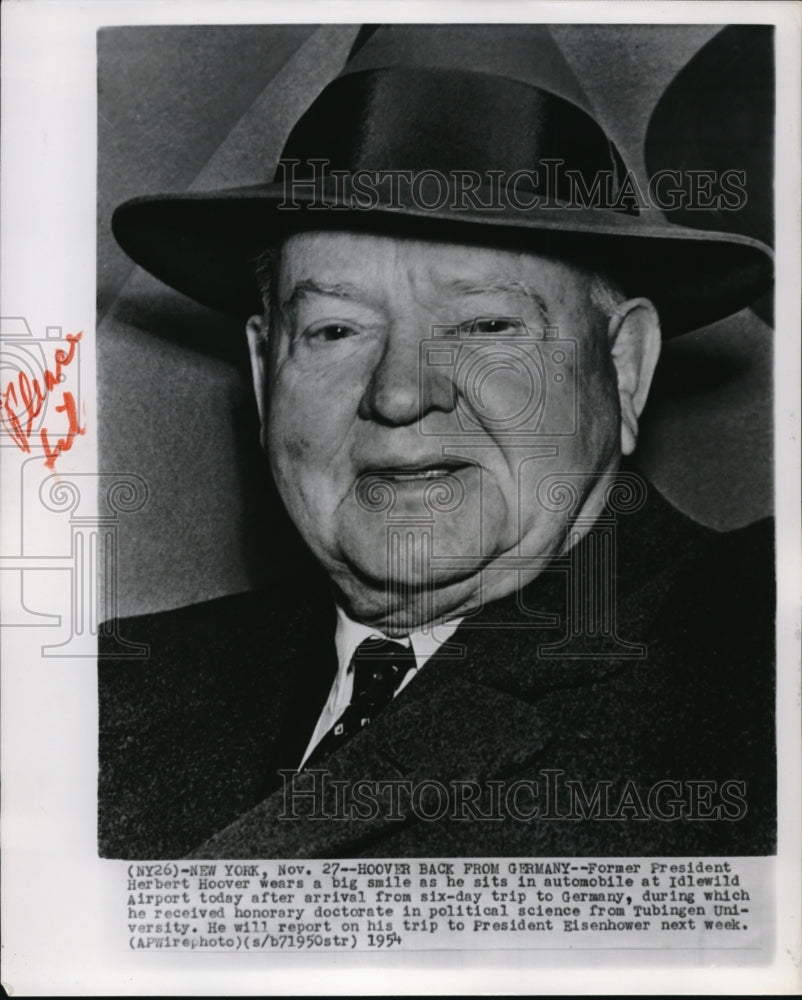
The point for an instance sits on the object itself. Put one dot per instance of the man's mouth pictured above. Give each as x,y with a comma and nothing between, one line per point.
419,471
413,474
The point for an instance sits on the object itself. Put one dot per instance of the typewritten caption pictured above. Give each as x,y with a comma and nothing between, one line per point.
430,904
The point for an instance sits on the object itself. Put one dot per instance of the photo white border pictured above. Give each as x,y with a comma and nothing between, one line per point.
55,936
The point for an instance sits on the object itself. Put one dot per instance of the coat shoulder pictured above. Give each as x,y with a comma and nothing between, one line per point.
186,730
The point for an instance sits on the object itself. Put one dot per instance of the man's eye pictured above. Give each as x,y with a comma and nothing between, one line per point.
331,331
507,326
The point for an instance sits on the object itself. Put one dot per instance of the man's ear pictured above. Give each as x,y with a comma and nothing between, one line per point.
256,332
634,339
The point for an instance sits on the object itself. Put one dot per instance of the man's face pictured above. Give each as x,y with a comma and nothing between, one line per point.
416,395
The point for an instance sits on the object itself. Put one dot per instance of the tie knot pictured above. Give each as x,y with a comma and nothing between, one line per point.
380,665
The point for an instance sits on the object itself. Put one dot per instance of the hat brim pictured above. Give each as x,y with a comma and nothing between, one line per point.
204,244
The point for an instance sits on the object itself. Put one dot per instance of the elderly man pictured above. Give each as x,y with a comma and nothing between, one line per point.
508,643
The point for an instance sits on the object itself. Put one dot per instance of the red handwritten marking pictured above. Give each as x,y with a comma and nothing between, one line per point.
23,399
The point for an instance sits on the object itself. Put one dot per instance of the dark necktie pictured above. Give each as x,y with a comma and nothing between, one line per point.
380,666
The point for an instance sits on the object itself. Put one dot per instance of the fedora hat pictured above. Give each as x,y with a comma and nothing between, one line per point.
456,132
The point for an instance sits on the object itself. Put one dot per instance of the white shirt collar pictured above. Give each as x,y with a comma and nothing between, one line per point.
425,643
349,634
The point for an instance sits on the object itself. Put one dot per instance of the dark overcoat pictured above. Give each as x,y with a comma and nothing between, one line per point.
538,730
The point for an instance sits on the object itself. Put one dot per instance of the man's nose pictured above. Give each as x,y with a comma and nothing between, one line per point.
405,386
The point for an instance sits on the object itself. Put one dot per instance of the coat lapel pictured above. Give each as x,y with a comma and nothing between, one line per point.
485,713
472,715
441,728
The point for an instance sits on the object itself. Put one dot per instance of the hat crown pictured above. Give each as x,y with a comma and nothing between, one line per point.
453,131
486,99
527,53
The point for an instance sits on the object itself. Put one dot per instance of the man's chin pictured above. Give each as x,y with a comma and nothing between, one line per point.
375,576
387,597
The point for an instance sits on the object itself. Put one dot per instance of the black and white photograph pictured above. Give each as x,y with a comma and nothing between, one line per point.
402,535
478,623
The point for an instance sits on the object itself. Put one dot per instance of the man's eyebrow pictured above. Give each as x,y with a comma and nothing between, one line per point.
336,289
458,286
500,285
